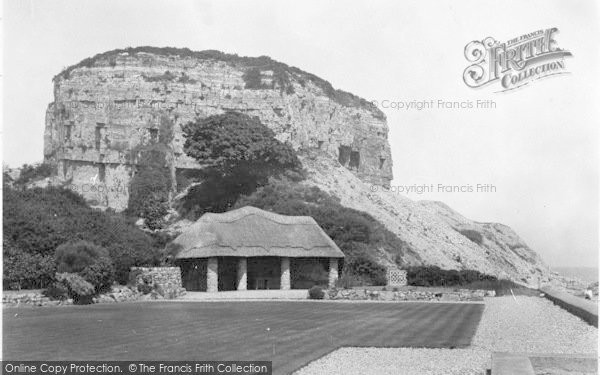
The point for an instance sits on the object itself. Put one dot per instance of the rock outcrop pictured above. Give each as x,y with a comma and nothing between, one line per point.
106,107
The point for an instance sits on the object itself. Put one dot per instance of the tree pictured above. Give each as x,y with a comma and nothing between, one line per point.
241,154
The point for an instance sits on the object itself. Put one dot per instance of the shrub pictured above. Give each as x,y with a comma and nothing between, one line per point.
348,281
22,270
144,288
88,260
79,289
366,269
435,276
73,257
316,292
57,291
30,173
101,274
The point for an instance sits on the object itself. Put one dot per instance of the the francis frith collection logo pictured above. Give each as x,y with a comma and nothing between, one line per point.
514,63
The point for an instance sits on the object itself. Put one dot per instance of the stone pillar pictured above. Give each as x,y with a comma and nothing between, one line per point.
212,275
242,274
285,274
333,271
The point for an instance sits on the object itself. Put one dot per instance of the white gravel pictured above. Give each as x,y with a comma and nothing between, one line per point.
527,324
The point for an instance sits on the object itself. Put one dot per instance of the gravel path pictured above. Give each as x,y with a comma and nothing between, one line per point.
527,324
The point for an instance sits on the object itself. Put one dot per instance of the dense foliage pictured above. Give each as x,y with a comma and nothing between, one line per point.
76,287
356,233
316,292
37,221
23,270
252,66
151,185
242,155
89,261
30,173
435,276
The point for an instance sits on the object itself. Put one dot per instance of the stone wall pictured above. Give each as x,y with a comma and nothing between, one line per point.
102,113
408,295
586,310
166,281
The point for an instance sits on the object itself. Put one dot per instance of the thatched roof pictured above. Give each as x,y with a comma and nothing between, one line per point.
252,232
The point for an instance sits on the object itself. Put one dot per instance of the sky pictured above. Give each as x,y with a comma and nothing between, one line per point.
538,147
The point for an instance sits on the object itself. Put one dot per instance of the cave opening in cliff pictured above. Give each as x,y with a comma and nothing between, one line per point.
381,163
68,132
344,155
354,160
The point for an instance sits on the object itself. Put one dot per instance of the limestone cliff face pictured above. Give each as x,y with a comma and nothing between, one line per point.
107,106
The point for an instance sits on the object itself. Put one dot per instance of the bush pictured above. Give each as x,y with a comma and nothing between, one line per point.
144,288
22,270
30,173
348,281
57,291
101,274
435,276
88,260
366,269
73,257
316,292
36,221
79,289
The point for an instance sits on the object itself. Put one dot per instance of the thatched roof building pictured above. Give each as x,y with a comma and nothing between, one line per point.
253,233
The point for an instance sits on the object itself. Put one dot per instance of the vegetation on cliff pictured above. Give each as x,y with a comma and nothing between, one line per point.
282,73
241,154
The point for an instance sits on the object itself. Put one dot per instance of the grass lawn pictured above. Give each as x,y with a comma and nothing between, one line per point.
290,334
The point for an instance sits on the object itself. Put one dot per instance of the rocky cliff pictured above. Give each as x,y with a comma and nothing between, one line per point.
107,106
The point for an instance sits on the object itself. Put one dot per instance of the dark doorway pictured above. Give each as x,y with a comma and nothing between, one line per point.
264,273
193,274
307,272
227,273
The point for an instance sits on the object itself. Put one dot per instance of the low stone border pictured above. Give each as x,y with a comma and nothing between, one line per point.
586,310
118,293
407,295
29,298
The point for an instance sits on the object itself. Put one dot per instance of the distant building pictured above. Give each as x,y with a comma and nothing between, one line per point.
250,248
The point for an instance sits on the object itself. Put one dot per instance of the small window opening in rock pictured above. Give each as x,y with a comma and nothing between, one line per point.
65,167
153,135
381,163
320,145
344,155
68,132
98,134
354,160
102,172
